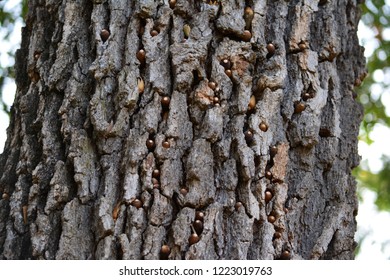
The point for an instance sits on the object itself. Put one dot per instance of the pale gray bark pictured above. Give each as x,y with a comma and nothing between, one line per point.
78,180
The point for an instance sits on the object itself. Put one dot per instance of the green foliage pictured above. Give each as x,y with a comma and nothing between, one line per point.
24,8
376,16
8,18
379,183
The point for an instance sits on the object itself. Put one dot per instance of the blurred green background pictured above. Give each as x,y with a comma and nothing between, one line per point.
373,174
374,93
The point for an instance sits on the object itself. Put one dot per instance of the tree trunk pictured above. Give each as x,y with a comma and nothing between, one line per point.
183,130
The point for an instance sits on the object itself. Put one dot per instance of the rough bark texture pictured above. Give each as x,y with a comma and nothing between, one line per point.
100,164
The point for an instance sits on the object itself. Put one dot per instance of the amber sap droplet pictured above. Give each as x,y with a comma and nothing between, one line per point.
248,136
165,102
212,85
238,205
156,173
186,31
228,73
199,215
271,49
216,100
194,238
141,55
198,226
268,196
263,127
306,96
172,4
166,145
299,107
268,175
5,196
252,103
285,255
247,35
141,85
137,203
248,17
248,12
154,181
302,46
271,219
153,33
150,144
226,63
277,235
273,150
183,191
165,250
104,34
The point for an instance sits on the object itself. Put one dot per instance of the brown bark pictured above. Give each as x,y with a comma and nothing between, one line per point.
100,164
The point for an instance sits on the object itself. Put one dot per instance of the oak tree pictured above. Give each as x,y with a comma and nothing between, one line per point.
183,129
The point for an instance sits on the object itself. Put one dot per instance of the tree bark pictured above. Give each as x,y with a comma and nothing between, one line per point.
232,135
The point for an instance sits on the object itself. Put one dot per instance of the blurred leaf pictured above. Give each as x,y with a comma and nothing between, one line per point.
7,25
24,8
376,15
378,183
